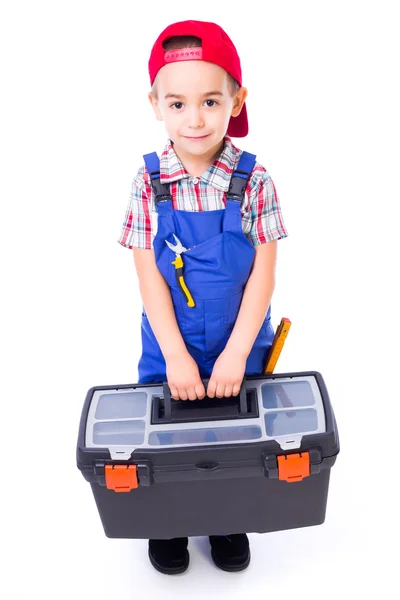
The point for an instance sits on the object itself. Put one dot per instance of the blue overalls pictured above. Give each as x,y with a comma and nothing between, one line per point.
217,265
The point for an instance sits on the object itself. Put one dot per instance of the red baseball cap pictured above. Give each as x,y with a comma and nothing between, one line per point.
216,47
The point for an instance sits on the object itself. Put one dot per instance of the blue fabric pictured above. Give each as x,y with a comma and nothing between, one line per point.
245,164
152,162
216,268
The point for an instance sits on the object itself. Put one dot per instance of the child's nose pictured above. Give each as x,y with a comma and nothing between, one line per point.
196,118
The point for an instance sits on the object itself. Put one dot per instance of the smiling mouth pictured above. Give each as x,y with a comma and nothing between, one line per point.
199,137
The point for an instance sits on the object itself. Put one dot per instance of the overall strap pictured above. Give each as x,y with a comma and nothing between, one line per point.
161,190
240,177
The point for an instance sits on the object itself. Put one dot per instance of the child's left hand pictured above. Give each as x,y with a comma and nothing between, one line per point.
227,375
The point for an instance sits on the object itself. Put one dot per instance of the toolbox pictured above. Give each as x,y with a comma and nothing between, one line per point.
258,462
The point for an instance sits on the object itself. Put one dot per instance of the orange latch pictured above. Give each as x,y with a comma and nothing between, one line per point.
121,478
293,467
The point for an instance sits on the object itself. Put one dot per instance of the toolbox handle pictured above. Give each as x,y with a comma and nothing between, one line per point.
177,410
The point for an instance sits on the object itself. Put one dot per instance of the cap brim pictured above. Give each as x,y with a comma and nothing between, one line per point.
239,126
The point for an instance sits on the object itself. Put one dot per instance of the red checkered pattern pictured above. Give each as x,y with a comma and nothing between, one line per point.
261,213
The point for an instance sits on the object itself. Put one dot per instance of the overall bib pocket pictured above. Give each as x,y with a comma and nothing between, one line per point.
220,318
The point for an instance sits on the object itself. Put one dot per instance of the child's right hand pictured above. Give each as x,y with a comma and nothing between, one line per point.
184,378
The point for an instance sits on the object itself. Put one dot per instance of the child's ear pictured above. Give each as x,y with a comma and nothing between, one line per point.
238,101
156,108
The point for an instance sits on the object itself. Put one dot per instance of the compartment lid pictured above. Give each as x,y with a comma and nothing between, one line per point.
287,408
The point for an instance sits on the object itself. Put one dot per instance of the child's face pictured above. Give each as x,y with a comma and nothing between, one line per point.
195,102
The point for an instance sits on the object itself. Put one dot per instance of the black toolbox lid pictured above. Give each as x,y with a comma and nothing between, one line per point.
273,415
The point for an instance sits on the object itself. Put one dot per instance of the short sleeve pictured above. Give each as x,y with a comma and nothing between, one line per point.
264,208
136,231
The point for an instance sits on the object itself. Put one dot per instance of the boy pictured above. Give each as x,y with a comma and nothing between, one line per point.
214,209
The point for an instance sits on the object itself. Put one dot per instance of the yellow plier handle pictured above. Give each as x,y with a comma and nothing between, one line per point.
178,262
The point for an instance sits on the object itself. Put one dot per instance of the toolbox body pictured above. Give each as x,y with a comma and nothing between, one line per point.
258,462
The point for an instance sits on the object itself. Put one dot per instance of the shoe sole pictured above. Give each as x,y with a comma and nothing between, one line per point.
231,569
171,571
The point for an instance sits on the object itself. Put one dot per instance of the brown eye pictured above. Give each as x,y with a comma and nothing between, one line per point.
210,103
177,105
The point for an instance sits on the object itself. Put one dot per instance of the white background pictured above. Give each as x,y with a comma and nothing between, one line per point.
323,105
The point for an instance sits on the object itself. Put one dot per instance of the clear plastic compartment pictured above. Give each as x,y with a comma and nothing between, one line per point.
121,405
204,436
118,433
291,422
287,394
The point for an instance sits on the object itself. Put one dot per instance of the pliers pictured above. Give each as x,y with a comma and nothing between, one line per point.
178,262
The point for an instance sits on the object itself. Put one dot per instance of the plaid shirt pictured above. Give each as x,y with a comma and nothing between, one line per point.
261,213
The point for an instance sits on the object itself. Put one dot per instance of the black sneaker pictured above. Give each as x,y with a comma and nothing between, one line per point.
230,552
170,557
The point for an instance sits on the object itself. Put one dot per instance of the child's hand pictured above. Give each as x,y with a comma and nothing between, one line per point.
184,378
227,375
